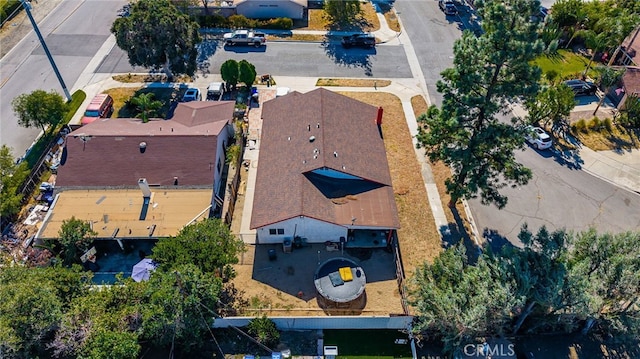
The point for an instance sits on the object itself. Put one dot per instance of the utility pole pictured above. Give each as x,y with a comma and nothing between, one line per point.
27,7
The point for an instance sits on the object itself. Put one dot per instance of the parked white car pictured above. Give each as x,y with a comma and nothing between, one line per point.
538,138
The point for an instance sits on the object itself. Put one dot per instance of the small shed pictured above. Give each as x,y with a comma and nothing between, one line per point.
270,9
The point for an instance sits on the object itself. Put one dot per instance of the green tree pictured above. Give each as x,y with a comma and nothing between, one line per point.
246,73
74,238
180,307
12,176
552,107
609,76
489,72
569,15
342,12
39,108
158,35
208,244
230,72
456,301
264,330
538,270
596,42
604,269
33,302
146,105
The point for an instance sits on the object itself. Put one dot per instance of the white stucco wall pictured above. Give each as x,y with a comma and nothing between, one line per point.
315,231
267,9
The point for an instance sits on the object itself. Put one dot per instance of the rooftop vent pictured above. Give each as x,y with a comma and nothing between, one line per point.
312,138
143,147
335,154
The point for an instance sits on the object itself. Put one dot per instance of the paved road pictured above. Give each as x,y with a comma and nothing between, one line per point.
74,31
560,195
295,59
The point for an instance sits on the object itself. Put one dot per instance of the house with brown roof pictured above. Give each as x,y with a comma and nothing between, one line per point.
630,86
168,163
323,173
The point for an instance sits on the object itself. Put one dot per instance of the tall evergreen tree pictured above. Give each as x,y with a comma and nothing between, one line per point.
490,72
457,301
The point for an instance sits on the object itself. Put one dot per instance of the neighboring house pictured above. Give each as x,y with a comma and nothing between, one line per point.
323,173
268,9
144,179
629,49
630,86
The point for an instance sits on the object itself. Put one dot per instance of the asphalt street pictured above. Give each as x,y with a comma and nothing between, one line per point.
561,194
73,32
293,59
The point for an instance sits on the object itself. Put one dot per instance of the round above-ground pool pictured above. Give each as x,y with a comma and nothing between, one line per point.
340,287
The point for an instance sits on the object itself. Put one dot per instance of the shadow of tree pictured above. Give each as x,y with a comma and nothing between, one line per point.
454,232
206,49
353,58
494,240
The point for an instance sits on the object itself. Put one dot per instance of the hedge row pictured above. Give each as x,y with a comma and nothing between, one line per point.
240,21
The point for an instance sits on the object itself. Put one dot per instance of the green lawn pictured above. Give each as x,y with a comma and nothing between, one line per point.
566,63
367,344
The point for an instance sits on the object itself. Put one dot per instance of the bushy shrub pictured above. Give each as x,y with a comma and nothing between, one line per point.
580,126
7,8
240,21
595,124
281,23
608,124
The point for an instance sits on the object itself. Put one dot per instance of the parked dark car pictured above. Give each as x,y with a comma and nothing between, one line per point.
361,40
581,88
448,7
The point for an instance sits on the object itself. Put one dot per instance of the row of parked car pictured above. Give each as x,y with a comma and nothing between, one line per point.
215,90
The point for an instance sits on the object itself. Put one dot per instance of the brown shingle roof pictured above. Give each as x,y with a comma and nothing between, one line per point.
335,134
106,152
631,80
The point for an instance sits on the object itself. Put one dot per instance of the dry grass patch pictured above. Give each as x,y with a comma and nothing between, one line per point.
352,82
318,20
600,137
418,236
440,174
392,20
369,17
120,96
297,37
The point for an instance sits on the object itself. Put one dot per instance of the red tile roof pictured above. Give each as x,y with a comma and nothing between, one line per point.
322,130
107,152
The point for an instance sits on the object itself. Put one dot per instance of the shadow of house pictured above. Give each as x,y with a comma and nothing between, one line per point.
323,173
132,180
